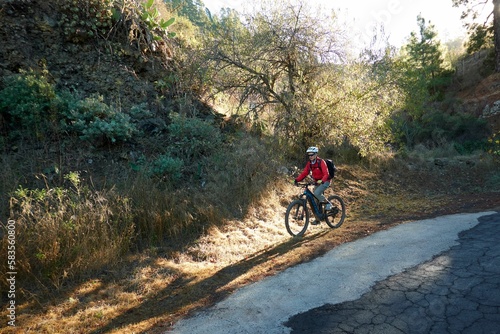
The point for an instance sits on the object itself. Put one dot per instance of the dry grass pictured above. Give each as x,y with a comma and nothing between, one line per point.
148,292
62,232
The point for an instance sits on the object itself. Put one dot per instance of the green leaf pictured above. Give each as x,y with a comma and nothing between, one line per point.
166,24
148,4
117,15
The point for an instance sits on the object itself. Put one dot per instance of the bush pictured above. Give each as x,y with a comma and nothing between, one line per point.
168,168
92,119
32,106
192,138
27,100
434,128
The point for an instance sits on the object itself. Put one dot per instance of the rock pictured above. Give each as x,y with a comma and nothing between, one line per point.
491,111
283,170
441,162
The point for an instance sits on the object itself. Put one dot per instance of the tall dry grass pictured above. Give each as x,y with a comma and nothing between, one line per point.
231,180
65,230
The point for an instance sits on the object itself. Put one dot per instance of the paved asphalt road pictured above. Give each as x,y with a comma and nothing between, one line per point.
439,275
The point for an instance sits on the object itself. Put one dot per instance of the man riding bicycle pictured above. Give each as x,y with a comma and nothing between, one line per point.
319,172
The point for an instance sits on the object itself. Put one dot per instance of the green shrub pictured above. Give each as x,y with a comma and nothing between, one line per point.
140,111
192,138
32,106
28,99
92,119
470,146
435,127
166,167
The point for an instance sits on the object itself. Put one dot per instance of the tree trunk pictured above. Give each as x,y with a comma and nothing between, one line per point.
496,32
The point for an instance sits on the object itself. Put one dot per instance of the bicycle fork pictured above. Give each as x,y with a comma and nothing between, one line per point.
300,213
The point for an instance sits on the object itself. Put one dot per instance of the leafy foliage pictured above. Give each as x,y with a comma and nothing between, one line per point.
167,167
190,143
371,94
82,20
27,100
435,128
92,119
34,107
192,138
157,25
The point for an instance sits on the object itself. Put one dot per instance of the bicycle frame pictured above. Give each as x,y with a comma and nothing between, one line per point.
313,202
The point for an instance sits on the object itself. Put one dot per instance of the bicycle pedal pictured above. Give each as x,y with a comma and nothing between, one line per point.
316,222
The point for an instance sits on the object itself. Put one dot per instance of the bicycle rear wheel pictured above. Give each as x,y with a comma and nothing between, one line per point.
336,216
297,218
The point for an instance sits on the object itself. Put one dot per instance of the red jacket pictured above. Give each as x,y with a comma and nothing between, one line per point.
319,171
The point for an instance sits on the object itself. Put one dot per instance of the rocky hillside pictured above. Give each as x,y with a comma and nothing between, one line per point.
33,37
483,100
478,91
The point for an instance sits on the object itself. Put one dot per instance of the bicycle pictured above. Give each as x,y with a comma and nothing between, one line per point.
297,214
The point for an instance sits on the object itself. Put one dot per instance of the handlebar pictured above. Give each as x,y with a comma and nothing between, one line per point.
305,184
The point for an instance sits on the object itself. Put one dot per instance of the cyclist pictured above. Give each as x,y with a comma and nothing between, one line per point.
319,172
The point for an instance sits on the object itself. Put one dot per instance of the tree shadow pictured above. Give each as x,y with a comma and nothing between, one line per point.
177,296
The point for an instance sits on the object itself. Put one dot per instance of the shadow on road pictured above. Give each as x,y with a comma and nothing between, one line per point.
181,294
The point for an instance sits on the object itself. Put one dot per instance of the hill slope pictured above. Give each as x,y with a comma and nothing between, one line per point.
33,37
149,290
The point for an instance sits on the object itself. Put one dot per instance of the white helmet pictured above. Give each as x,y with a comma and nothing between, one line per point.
312,149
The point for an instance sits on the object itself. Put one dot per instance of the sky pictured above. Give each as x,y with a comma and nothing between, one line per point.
399,17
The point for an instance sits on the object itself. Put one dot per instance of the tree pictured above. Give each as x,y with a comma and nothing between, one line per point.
194,10
273,61
424,77
425,58
482,34
285,65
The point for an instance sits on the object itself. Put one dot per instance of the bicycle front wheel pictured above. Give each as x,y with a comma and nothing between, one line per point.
336,216
297,218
